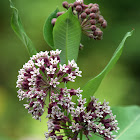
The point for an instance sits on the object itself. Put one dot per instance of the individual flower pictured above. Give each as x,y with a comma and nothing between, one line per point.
89,17
95,119
41,76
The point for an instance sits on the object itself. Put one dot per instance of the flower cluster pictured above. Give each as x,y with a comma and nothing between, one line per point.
89,16
41,76
73,119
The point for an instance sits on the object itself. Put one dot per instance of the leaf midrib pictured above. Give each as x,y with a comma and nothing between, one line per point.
67,40
128,127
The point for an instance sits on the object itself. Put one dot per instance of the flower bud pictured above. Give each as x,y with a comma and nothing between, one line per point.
65,4
79,8
83,15
60,13
97,15
87,11
93,21
100,33
53,21
93,27
94,9
95,33
104,25
76,3
90,5
101,19
92,15
97,5
71,5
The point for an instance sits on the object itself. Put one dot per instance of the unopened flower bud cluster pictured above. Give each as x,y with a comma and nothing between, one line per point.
89,16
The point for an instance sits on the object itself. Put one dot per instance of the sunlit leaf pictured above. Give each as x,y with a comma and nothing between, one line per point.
48,29
19,30
67,36
129,122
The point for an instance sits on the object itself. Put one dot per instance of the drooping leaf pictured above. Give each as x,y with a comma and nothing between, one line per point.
128,122
19,30
67,36
48,29
91,86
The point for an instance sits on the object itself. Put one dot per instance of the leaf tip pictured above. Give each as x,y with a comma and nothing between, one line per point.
130,33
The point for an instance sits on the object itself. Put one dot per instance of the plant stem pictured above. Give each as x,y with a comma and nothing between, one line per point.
81,134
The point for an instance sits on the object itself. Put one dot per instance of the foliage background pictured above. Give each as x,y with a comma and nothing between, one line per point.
120,87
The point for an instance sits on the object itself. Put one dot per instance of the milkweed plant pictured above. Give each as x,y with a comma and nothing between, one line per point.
73,114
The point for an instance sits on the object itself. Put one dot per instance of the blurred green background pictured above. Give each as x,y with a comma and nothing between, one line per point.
120,87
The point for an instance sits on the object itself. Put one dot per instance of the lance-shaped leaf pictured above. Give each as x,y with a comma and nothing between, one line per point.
67,36
19,30
48,29
91,87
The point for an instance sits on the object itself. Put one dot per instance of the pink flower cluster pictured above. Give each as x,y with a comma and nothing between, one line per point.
41,76
73,119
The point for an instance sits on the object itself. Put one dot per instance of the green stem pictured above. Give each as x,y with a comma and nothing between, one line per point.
81,134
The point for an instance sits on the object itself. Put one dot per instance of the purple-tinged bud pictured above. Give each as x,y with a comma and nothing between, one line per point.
83,15
60,13
92,15
101,19
76,3
65,4
65,79
87,11
93,21
53,21
71,5
90,5
93,27
97,5
100,33
95,32
94,9
79,8
104,24
97,15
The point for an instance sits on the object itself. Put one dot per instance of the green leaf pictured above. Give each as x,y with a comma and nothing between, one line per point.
48,29
19,30
67,36
91,86
128,122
